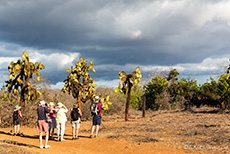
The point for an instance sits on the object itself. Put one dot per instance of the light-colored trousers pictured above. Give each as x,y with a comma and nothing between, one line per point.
60,129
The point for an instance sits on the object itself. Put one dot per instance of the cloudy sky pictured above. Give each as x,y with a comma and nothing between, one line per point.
190,35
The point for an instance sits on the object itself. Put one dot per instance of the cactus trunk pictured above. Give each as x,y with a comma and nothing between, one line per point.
128,102
79,101
143,106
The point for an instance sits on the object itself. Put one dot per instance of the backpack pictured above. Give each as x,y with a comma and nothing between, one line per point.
94,109
15,115
47,117
75,114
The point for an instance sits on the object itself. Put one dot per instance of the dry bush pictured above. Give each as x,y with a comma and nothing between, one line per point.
6,108
29,112
118,100
163,101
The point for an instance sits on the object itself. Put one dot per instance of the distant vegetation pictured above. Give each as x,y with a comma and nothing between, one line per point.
173,93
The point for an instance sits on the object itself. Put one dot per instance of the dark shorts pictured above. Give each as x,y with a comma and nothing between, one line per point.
53,123
17,121
96,120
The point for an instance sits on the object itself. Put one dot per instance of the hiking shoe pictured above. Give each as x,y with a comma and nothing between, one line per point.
18,134
90,136
51,138
41,147
73,138
14,134
95,136
47,146
76,138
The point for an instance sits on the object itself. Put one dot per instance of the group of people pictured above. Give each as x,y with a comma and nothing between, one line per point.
51,117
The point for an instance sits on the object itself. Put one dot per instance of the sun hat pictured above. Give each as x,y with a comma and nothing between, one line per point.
97,97
17,107
51,104
42,103
59,105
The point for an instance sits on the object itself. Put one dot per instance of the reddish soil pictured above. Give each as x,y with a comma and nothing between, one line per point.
84,144
160,133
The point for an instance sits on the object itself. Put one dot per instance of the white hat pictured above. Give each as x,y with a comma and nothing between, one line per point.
17,107
59,105
51,104
97,97
42,103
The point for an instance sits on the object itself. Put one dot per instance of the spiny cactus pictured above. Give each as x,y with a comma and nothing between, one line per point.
79,83
126,84
105,101
20,77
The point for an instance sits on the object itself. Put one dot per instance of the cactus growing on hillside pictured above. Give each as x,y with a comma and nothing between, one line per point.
20,77
126,84
79,83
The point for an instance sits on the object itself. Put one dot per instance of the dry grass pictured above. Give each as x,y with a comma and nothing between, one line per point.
204,131
14,149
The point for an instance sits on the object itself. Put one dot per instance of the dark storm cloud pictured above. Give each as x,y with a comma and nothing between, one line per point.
65,25
115,33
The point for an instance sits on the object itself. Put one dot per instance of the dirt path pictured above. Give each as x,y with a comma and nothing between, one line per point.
84,145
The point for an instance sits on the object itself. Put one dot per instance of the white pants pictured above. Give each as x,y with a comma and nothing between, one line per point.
60,129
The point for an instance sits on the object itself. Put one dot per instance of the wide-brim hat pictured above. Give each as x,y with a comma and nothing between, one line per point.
17,107
59,105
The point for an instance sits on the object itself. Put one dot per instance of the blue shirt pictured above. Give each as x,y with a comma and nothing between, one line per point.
42,112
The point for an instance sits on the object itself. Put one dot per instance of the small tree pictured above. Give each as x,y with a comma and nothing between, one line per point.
20,77
79,83
126,84
155,87
224,90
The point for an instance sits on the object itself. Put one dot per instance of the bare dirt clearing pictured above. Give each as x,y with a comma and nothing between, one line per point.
160,132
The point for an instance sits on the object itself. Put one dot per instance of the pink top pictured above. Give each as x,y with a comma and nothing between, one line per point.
52,115
19,112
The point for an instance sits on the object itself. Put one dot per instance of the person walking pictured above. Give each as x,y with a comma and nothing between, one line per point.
96,107
42,125
61,120
76,115
17,114
52,123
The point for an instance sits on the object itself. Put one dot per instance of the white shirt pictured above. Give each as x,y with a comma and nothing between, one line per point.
61,115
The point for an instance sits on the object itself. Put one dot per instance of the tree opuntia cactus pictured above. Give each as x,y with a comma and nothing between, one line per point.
79,83
20,77
126,84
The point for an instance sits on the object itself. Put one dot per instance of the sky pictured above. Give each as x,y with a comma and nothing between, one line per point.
117,35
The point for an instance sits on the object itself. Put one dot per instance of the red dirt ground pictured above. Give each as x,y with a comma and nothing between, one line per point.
159,133
84,145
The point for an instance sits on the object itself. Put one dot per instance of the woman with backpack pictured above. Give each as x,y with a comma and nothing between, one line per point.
17,114
76,115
